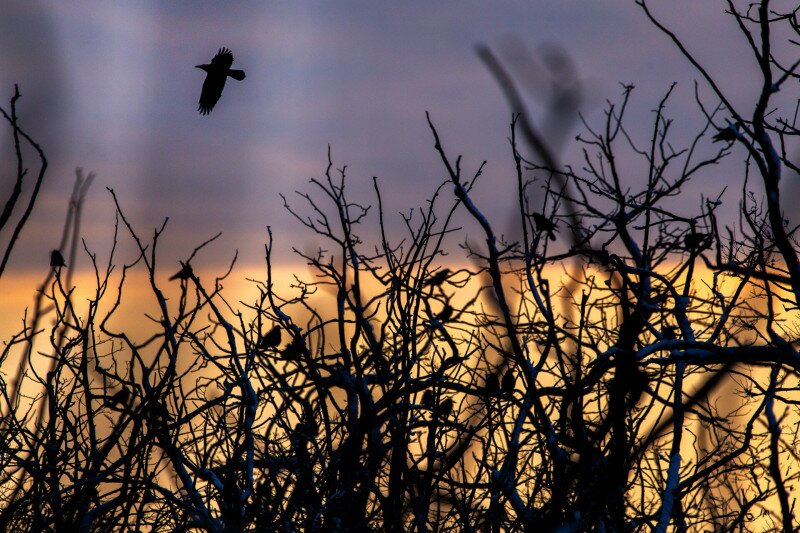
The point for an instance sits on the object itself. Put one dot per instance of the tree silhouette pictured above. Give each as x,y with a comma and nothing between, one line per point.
568,384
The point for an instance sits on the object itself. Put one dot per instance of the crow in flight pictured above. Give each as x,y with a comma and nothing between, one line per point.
216,73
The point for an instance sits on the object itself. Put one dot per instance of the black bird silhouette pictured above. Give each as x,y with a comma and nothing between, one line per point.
271,339
56,259
545,224
492,383
438,278
293,350
508,384
184,273
696,241
445,315
427,399
160,413
119,397
445,407
217,73
728,134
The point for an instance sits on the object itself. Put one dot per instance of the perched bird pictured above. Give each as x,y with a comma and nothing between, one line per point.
217,73
601,256
427,399
184,273
293,350
509,383
119,397
696,241
492,384
727,134
56,259
445,314
545,224
445,407
159,413
271,339
438,278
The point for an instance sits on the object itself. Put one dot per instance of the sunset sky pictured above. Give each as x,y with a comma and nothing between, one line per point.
111,87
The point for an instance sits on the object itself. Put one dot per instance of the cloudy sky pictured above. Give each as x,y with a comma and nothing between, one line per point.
111,86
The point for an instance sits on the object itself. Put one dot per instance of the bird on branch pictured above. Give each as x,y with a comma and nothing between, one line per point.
727,134
120,397
545,224
444,315
428,399
509,382
293,350
696,241
492,384
56,259
445,407
217,73
438,278
271,340
185,272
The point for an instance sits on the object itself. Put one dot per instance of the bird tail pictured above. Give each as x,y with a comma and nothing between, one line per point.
236,74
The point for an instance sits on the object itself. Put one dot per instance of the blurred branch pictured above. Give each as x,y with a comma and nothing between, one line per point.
11,203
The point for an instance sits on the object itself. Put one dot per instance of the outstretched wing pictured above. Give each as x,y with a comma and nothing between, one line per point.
215,80
223,60
212,90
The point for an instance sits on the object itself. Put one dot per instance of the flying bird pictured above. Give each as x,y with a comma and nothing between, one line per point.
56,259
217,73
